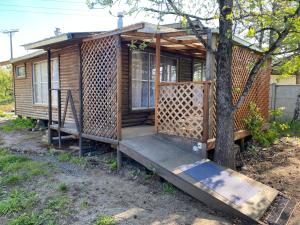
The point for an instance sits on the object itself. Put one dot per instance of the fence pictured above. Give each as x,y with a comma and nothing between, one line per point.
284,96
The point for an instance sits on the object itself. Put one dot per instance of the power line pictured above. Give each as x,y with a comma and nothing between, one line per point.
37,7
60,1
49,13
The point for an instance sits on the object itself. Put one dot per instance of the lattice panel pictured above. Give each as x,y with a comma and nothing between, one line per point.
99,73
180,109
243,60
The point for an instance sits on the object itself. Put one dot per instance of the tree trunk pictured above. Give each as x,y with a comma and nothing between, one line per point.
298,77
224,153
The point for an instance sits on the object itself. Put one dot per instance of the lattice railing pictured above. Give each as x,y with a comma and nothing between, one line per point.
180,109
99,84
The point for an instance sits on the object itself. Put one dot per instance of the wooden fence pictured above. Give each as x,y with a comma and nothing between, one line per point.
182,108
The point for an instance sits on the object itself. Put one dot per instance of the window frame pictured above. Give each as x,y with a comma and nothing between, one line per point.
54,104
16,69
148,52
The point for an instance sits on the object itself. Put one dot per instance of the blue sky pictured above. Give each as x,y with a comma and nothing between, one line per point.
37,19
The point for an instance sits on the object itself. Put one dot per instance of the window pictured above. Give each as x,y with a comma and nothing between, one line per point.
20,71
40,82
199,70
143,77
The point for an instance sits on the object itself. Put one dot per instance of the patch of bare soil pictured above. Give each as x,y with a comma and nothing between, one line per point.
132,195
278,167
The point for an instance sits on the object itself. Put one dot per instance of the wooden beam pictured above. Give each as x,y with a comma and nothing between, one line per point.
80,103
157,78
173,34
116,31
49,96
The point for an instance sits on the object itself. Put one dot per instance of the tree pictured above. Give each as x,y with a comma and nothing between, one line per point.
5,83
275,20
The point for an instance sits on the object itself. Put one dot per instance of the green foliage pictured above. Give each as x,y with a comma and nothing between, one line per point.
5,85
105,220
63,187
113,165
25,219
169,188
68,157
255,123
18,124
16,169
17,201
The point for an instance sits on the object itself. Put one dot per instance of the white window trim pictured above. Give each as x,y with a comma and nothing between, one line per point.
33,83
148,80
23,76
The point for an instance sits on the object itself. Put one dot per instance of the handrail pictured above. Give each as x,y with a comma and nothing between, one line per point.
184,82
61,121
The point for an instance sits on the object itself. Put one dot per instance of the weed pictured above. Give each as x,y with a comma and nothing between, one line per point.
84,204
58,202
25,219
18,124
169,188
17,168
17,201
113,165
63,187
67,157
105,220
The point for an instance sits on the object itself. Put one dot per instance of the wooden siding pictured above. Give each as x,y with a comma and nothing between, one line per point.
68,78
139,117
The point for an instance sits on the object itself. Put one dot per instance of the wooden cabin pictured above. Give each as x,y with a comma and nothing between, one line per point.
157,104
101,86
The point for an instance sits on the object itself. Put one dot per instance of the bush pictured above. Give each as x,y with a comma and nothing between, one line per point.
255,123
18,124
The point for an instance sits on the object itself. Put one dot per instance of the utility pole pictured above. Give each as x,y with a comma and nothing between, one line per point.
10,32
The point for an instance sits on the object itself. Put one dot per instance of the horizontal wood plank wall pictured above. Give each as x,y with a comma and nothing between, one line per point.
135,118
68,74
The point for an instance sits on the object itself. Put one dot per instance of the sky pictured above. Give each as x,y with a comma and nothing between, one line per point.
37,19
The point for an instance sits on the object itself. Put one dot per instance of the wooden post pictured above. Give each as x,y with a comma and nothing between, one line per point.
205,118
80,102
119,158
59,116
119,89
157,78
49,96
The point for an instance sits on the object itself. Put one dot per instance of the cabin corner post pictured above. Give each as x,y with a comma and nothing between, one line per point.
80,102
49,96
157,78
119,88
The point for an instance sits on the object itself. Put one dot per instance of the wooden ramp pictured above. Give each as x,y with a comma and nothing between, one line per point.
218,187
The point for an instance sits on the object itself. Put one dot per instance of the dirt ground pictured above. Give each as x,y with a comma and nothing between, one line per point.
278,167
134,197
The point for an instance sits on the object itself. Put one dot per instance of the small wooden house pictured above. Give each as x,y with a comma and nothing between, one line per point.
155,103
110,86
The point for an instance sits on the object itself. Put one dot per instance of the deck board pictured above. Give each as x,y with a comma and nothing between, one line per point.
170,161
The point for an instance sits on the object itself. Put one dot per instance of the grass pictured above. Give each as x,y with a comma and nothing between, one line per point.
105,220
46,216
113,165
16,169
7,106
68,157
17,201
169,188
63,187
18,124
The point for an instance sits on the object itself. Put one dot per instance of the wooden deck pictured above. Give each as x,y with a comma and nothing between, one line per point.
220,188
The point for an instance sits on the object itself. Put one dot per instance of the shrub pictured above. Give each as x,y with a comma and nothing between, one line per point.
18,124
255,123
